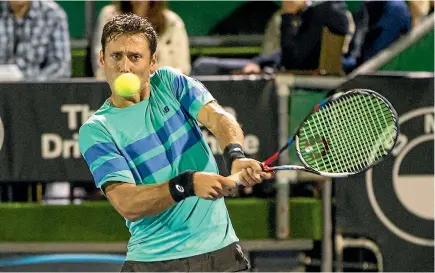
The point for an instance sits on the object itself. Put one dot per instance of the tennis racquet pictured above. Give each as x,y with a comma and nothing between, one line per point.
347,133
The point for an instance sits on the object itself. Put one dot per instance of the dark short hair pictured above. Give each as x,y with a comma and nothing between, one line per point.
129,24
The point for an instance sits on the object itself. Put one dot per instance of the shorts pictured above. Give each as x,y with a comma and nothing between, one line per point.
227,259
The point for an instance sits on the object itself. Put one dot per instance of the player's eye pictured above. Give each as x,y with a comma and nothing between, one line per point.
116,56
135,57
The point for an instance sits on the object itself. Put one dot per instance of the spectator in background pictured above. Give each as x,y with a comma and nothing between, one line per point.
379,24
298,27
301,31
173,46
301,34
34,36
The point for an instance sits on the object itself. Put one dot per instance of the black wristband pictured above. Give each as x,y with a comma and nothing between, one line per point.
181,186
231,152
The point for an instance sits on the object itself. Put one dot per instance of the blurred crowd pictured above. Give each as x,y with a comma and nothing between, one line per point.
302,36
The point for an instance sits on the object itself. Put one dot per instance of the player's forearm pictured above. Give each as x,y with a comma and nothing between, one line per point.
143,201
227,130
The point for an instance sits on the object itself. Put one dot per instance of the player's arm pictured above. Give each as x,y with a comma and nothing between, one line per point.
135,202
222,124
200,104
230,136
113,176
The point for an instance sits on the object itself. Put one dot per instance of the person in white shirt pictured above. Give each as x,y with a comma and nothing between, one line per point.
173,45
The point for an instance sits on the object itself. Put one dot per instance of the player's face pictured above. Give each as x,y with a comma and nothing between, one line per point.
128,54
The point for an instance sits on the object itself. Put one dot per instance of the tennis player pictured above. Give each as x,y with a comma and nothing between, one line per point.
147,154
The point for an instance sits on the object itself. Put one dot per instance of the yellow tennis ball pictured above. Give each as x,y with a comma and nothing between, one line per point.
127,84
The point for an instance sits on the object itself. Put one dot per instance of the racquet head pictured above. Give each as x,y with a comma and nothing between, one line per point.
347,133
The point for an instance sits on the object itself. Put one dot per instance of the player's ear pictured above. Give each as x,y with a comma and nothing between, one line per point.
153,63
101,59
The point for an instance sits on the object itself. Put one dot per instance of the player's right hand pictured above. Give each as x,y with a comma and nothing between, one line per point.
211,186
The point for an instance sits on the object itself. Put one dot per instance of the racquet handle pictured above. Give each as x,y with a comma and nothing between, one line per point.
236,178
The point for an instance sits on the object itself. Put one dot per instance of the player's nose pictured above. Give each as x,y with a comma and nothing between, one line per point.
126,65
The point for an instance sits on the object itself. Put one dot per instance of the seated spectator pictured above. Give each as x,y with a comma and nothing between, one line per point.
301,31
34,36
224,66
301,24
173,45
379,24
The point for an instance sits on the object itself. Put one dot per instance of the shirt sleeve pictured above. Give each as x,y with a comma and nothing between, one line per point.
191,93
104,159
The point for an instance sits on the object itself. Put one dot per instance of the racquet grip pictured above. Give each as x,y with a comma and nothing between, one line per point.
236,178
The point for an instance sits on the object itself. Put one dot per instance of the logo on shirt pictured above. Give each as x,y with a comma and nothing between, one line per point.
166,109
179,188
2,133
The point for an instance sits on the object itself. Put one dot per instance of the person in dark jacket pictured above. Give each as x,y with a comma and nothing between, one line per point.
301,34
378,25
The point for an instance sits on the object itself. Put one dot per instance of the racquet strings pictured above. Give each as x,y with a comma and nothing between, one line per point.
348,135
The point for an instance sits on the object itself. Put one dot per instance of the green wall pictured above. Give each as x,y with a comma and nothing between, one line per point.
75,11
418,57
198,16
252,218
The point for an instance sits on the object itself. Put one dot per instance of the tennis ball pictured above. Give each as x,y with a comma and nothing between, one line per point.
127,84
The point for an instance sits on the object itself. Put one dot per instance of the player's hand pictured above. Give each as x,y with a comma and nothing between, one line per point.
250,170
211,186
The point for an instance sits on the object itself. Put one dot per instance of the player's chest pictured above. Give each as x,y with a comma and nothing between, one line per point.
154,125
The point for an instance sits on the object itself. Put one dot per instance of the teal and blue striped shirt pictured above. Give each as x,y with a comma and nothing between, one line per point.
151,142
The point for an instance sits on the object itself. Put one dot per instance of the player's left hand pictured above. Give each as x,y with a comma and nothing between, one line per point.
250,170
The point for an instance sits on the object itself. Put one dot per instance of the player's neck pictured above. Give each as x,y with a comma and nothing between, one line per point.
122,102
